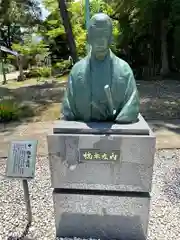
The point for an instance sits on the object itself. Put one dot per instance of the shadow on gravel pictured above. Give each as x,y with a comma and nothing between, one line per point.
23,236
170,125
172,188
15,238
159,99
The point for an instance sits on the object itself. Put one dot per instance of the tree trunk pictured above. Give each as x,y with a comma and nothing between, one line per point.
68,29
2,68
9,36
4,73
20,66
164,54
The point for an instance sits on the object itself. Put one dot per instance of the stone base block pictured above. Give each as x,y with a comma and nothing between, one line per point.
104,217
132,170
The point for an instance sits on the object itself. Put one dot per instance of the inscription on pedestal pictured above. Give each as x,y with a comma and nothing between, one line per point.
98,155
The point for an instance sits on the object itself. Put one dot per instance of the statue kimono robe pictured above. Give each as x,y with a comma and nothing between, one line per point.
101,87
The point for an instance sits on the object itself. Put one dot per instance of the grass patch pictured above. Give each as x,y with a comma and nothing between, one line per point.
34,99
62,78
13,84
51,113
13,111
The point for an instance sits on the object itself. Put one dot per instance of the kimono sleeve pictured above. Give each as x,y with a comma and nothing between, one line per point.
130,111
68,106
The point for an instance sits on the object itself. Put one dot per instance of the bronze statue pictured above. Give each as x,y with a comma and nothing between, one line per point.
101,87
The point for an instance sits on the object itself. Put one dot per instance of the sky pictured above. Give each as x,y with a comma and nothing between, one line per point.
44,11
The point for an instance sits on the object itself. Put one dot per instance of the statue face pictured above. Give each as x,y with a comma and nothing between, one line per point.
100,43
99,35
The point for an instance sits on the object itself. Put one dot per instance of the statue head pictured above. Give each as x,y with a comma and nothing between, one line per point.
100,35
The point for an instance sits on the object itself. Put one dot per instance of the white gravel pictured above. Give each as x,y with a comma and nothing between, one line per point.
164,216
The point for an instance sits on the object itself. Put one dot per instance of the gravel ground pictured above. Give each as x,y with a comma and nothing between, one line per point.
165,209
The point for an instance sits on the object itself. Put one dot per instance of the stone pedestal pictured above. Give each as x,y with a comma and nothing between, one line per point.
101,174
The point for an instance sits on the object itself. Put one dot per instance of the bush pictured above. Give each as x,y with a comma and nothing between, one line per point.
9,111
44,71
61,67
39,72
9,68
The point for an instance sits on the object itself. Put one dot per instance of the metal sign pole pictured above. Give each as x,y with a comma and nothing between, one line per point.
87,19
27,200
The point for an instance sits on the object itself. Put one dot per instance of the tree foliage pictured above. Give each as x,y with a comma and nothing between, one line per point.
16,16
150,27
146,32
53,30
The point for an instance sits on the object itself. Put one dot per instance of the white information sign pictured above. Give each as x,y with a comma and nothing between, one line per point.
22,159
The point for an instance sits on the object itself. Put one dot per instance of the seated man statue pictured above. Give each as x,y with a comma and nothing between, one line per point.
101,87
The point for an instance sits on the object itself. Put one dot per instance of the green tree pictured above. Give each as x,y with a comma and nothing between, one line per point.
16,15
53,31
30,50
147,24
68,28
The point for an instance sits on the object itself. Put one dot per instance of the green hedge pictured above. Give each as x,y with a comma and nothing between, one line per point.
61,67
39,72
58,68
